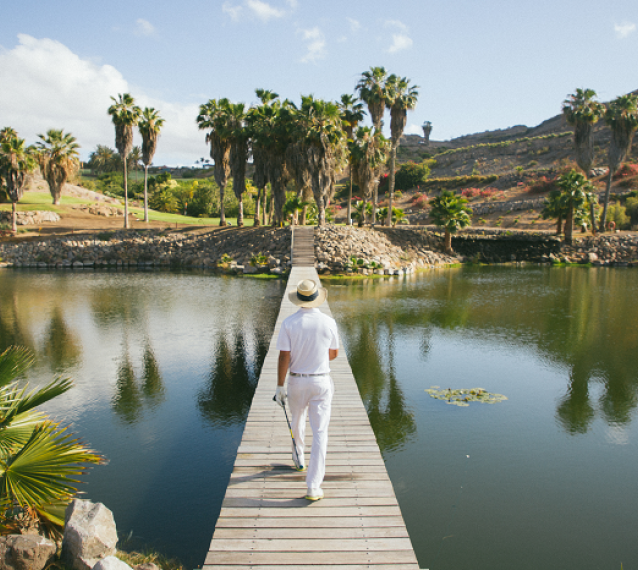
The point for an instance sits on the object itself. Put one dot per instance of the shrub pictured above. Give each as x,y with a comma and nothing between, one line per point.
470,192
410,175
631,207
542,185
625,171
618,214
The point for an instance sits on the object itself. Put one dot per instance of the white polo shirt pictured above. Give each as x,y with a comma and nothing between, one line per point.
308,334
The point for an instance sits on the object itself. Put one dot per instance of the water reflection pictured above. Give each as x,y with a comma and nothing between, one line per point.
61,347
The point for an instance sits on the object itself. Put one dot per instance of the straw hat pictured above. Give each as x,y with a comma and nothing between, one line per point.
308,294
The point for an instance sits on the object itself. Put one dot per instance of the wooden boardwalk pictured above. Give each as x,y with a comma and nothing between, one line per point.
266,524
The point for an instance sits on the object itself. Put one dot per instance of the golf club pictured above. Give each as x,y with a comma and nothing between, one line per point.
294,445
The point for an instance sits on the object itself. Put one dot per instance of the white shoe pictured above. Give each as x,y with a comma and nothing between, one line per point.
314,495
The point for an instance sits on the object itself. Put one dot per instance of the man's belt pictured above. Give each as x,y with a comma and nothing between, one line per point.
297,375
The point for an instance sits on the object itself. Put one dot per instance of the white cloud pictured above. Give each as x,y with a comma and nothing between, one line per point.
624,29
293,4
233,11
316,45
396,24
399,43
263,10
144,27
46,85
355,25
413,130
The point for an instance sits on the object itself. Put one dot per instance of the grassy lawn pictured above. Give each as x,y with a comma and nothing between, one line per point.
179,219
42,201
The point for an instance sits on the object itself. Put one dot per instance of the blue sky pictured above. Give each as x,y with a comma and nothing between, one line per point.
479,64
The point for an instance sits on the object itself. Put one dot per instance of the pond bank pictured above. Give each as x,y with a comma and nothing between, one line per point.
338,249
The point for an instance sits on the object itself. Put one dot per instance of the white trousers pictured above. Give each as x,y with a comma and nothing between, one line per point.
313,395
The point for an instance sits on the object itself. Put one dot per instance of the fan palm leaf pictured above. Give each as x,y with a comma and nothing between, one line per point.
59,159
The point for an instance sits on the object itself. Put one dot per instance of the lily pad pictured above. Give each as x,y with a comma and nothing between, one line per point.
463,396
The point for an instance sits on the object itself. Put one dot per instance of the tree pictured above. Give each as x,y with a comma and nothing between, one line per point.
212,115
574,186
16,162
39,460
622,118
427,130
239,139
450,212
372,90
59,159
583,112
352,114
102,159
149,126
369,151
553,207
401,98
125,116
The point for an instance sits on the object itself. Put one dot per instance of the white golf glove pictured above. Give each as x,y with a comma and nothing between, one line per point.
280,396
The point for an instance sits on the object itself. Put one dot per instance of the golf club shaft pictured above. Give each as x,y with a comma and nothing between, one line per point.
294,445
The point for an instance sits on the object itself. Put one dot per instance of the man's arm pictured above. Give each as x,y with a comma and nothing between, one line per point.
282,367
333,353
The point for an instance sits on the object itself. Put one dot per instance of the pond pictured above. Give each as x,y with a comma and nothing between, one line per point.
165,366
544,479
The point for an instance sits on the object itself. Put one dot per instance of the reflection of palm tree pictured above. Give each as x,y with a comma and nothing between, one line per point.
226,398
11,331
575,411
152,386
127,402
60,345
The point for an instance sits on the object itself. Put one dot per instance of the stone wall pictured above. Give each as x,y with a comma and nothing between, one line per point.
33,218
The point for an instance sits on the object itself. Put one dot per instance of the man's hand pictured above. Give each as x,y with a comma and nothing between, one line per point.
280,396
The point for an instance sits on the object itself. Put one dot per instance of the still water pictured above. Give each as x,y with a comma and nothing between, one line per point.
165,367
547,479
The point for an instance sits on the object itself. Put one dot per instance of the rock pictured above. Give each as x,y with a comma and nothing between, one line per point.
592,257
276,271
249,269
25,552
89,534
113,563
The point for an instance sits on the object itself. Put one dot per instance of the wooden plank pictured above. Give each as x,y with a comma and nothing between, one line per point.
314,533
310,544
297,558
309,522
317,567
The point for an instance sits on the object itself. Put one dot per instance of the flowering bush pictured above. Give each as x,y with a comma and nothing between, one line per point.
542,185
421,203
626,170
470,192
490,192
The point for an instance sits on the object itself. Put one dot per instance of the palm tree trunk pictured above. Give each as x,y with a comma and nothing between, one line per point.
559,225
222,212
14,218
304,215
569,222
125,196
603,217
257,206
375,201
349,214
146,193
393,158
592,215
240,213
271,208
448,241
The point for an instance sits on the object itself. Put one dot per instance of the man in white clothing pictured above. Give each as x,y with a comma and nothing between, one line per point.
308,341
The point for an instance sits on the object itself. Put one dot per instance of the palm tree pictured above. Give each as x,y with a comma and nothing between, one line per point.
149,126
554,207
401,98
59,159
582,112
239,139
7,133
102,159
369,152
352,114
427,130
39,460
574,187
450,212
398,215
372,90
212,116
622,118
125,116
16,162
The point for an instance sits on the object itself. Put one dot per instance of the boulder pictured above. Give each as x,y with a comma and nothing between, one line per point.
89,534
111,563
25,552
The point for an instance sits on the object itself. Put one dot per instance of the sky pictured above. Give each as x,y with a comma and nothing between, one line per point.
479,64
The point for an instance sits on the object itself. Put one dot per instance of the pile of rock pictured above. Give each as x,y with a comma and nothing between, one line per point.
382,251
228,249
620,250
100,210
31,218
90,537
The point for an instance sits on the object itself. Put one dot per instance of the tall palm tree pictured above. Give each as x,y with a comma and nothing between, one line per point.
622,118
401,98
59,159
372,91
149,126
427,130
583,112
239,141
352,114
125,115
212,116
450,212
16,162
369,151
